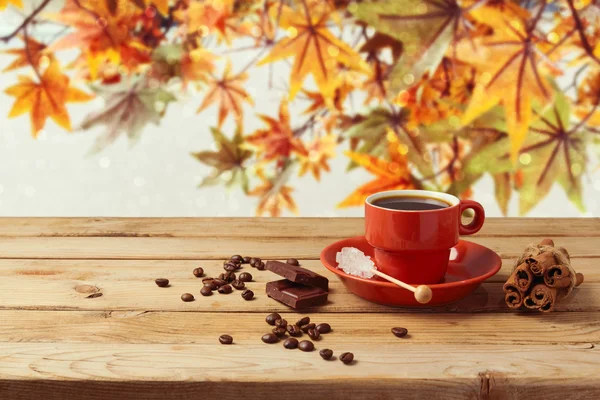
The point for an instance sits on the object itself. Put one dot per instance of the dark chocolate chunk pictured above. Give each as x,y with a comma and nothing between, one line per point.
295,295
298,274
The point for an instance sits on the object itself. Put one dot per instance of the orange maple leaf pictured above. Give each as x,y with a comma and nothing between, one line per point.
277,139
229,93
161,5
315,49
390,175
274,197
209,16
32,53
45,99
315,158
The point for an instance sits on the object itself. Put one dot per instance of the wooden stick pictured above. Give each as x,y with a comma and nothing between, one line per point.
422,293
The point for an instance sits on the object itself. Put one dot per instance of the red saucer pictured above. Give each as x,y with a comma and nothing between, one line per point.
470,265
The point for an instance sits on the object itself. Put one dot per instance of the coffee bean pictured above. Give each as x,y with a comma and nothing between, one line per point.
261,266
256,264
306,327
245,277
294,330
229,277
246,260
399,332
306,345
346,358
270,338
281,323
323,328
206,291
314,334
212,285
293,261
247,294
238,285
290,343
225,339
187,297
303,321
219,282
326,354
279,331
230,266
207,280
162,282
225,289
271,318
236,259
253,260
198,272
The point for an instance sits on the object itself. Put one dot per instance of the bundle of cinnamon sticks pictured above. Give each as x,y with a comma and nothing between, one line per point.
541,276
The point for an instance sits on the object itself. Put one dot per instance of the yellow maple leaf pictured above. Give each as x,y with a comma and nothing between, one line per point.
31,53
315,49
317,153
161,5
16,3
45,99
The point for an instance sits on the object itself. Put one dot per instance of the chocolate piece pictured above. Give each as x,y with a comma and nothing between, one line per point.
298,274
296,295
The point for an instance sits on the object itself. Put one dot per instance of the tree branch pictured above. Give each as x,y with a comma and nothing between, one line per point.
25,22
581,30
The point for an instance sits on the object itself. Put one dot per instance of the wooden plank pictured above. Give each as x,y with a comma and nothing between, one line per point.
221,248
204,328
267,371
269,227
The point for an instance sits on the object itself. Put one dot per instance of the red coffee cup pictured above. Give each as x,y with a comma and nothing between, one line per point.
414,245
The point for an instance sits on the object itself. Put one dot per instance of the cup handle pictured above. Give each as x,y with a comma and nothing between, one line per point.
475,225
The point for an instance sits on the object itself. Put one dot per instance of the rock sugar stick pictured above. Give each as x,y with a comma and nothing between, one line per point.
541,277
354,262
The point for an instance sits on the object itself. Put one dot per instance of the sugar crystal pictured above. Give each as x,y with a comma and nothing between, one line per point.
354,262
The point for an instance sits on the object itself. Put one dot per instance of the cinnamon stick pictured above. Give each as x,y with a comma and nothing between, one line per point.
541,297
557,276
541,262
524,277
513,297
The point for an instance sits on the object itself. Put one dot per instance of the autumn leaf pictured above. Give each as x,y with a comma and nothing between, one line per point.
227,161
229,93
390,175
205,17
161,5
503,190
274,195
127,111
16,3
317,153
173,60
277,139
510,74
31,54
45,99
315,49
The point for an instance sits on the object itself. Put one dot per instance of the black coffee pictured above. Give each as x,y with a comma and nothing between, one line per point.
410,203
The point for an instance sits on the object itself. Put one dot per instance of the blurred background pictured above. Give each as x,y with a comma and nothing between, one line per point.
99,106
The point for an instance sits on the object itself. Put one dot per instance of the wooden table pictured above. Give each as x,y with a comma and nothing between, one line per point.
141,341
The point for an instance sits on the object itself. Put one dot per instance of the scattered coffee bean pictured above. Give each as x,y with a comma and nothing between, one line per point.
225,339
261,266
303,321
323,328
246,260
247,294
206,291
162,282
187,297
279,331
236,259
225,289
198,272
238,285
256,264
306,345
314,334
326,354
294,330
346,358
270,338
207,280
219,282
230,267
212,285
271,318
306,327
293,261
229,277
281,323
290,343
399,332
253,260
245,277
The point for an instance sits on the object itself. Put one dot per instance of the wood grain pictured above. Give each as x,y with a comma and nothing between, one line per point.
472,371
270,227
220,248
349,330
